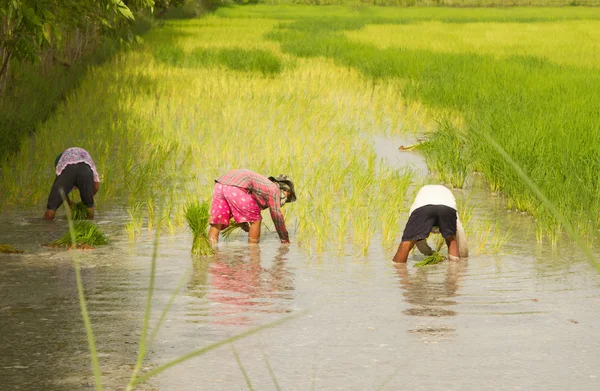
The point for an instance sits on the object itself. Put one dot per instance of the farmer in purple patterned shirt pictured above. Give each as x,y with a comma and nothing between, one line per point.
74,169
243,194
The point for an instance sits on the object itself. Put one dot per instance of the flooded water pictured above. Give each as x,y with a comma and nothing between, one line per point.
524,319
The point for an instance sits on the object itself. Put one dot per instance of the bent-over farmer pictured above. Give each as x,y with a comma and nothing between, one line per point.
434,210
74,169
242,194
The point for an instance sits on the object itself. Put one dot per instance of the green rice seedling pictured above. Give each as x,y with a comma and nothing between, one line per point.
432,259
134,226
86,233
500,240
197,215
8,249
79,211
231,229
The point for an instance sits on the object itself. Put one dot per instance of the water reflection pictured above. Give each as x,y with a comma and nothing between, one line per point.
430,296
237,285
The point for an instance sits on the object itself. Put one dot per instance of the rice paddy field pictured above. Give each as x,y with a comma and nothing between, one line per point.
501,105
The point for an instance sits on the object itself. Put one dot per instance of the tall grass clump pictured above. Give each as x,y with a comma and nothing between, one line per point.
238,59
197,216
250,60
86,235
445,152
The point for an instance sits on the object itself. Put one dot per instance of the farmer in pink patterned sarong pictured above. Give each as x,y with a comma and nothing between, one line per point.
74,169
242,194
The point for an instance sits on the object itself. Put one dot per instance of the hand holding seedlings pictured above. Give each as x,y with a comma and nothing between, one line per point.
242,194
74,169
433,210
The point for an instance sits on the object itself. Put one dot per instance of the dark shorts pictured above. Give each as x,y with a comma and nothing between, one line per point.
423,219
79,175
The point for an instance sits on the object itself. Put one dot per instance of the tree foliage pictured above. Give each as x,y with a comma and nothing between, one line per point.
27,27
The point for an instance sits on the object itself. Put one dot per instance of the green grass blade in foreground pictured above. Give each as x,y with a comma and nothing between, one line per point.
163,315
143,348
82,303
213,346
559,216
271,372
239,362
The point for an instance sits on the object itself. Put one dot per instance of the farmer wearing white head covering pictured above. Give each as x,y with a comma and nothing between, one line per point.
434,210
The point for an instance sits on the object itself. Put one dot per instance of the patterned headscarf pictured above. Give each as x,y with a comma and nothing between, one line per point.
285,184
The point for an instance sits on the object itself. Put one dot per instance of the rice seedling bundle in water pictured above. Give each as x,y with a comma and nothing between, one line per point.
8,249
197,216
231,228
79,211
432,259
87,235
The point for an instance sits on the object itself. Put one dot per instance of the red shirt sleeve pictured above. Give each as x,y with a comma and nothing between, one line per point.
274,202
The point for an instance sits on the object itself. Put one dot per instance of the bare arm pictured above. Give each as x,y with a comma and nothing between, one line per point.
424,247
277,217
403,250
96,187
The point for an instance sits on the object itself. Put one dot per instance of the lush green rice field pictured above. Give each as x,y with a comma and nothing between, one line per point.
522,81
300,90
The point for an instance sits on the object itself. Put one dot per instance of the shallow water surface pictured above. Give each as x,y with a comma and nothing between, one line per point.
524,319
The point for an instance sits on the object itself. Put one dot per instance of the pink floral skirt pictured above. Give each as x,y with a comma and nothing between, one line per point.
233,201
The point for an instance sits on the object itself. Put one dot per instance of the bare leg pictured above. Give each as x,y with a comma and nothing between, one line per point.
254,232
213,233
90,212
49,215
403,250
452,247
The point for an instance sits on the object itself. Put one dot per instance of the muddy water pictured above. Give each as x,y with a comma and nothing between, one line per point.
524,319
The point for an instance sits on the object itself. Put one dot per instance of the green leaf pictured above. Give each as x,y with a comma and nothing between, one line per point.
47,31
126,12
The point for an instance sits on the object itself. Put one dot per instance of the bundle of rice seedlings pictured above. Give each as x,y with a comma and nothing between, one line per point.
233,226
197,216
79,211
87,235
432,259
8,249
